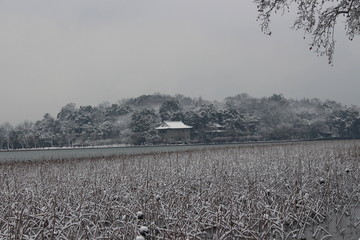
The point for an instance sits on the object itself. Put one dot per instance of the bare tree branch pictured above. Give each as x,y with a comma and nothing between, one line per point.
316,18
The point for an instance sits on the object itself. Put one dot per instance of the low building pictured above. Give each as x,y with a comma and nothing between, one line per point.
215,133
215,129
172,132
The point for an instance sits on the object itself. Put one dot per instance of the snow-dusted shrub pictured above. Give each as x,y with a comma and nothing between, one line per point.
263,191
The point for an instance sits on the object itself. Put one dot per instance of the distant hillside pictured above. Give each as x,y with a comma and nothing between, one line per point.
237,118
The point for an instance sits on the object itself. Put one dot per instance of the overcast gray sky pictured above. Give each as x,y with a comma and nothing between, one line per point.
91,51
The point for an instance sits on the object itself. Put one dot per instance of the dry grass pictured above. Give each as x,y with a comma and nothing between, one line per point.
269,191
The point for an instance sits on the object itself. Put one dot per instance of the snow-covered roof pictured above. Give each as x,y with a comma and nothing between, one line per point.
173,125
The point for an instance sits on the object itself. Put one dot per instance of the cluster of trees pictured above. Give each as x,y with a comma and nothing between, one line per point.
237,118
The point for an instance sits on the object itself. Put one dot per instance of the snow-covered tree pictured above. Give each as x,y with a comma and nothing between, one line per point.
171,110
143,125
347,123
46,130
316,18
25,134
5,132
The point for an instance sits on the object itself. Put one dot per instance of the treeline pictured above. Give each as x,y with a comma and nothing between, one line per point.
238,118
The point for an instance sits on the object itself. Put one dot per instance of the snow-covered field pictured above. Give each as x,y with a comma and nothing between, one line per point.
306,190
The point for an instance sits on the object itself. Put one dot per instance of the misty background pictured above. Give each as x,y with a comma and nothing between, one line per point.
88,52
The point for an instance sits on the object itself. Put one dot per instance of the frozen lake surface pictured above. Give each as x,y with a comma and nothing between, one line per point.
65,153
